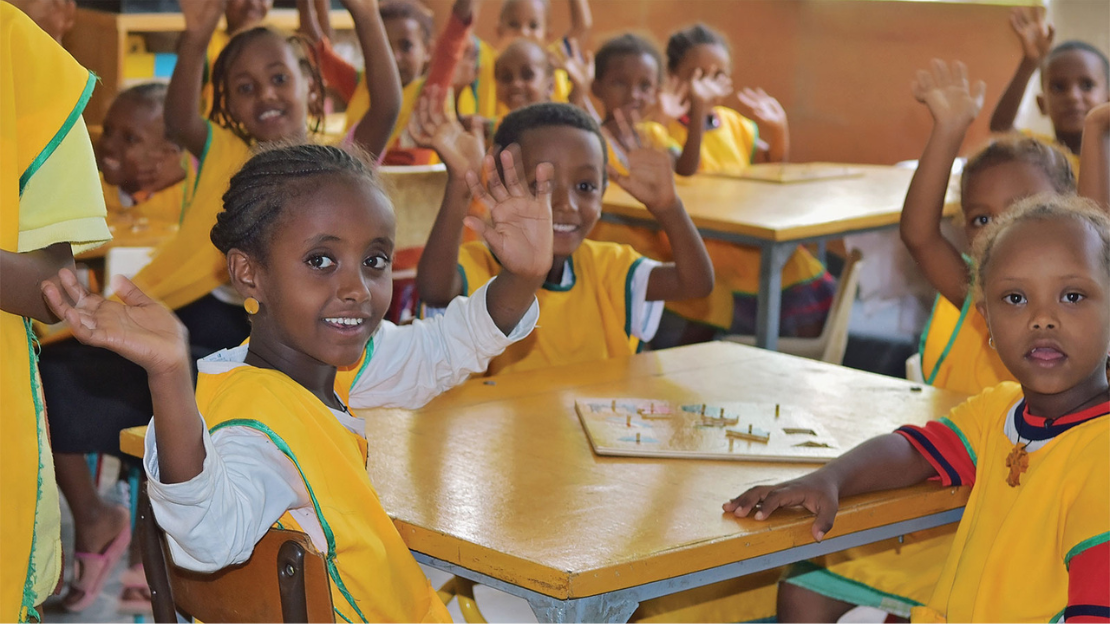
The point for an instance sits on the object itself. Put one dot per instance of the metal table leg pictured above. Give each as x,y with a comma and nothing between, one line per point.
772,258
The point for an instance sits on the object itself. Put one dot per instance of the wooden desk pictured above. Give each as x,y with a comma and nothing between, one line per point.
498,484
777,217
127,233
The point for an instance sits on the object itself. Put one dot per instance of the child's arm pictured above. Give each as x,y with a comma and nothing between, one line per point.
580,69
437,279
20,290
953,105
449,48
381,77
184,123
315,26
1094,157
771,118
701,91
581,20
883,463
147,333
1036,42
651,181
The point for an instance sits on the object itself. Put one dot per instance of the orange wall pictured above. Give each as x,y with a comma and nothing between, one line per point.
841,68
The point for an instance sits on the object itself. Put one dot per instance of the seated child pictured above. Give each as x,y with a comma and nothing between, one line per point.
141,171
956,353
1032,545
1075,77
524,76
600,300
269,439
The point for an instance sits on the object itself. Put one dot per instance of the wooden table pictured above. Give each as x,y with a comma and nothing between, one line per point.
777,217
127,232
496,482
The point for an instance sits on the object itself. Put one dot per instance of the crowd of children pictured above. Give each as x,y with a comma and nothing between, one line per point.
256,328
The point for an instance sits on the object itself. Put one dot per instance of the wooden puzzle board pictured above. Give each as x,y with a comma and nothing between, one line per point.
789,173
742,431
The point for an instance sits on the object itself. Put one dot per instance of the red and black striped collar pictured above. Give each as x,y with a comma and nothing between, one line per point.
1030,427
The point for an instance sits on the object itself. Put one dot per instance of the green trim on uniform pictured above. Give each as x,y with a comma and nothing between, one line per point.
1081,547
60,135
569,266
951,339
367,354
967,445
820,580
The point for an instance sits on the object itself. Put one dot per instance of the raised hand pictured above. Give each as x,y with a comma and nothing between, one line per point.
202,16
578,66
650,176
1034,33
762,108
947,93
140,329
673,101
707,90
520,231
813,492
460,149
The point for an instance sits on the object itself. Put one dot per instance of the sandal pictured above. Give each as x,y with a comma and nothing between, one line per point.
135,597
91,571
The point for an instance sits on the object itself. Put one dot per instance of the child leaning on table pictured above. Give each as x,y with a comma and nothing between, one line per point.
1033,541
269,439
600,300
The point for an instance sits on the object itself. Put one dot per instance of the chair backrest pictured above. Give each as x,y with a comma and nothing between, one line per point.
835,332
285,580
417,193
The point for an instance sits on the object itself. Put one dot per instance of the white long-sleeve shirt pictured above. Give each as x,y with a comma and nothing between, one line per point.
246,483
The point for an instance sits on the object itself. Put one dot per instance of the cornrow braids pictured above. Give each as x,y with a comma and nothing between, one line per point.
1016,147
684,40
625,45
270,180
306,59
1045,207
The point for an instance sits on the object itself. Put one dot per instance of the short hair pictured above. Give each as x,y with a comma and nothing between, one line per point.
218,78
545,115
406,9
1077,46
684,40
1014,147
149,93
524,42
625,45
1045,207
266,185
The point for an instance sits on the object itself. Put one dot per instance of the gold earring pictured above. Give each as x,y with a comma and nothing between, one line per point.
251,305
990,340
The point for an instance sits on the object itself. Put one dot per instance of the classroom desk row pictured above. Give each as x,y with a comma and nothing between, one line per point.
495,481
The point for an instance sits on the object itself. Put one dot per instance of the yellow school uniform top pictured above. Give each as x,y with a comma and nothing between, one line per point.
955,352
188,266
480,96
587,320
360,105
729,147
49,193
166,205
1012,550
1073,158
373,575
216,45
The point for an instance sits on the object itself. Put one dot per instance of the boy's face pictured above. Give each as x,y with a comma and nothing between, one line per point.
523,75
991,191
243,14
630,83
132,151
1045,301
523,18
578,182
410,47
1073,82
55,17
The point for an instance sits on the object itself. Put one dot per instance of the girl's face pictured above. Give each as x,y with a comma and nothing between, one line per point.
410,47
326,282
1074,83
133,152
523,75
523,18
712,59
630,83
990,192
1045,300
267,90
577,185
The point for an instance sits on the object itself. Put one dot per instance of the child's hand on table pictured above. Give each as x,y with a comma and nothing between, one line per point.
1035,35
460,150
945,90
813,491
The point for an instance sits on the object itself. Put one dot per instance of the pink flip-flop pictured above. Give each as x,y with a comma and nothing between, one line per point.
135,597
91,570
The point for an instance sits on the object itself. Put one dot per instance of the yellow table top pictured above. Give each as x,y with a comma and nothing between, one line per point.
501,479
784,212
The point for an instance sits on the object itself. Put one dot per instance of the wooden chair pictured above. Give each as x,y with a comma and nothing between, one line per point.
285,580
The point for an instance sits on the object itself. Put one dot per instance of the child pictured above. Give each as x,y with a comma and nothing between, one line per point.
1095,157
309,235
1074,79
50,206
1032,544
141,171
524,76
956,354
599,299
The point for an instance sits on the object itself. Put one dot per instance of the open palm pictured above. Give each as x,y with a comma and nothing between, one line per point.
762,108
948,95
1035,35
431,128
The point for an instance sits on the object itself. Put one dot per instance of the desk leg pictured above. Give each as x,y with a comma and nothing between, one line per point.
601,608
772,259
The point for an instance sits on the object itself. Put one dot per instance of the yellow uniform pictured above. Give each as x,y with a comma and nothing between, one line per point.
399,139
1073,158
955,353
50,194
587,318
188,266
165,206
373,575
216,45
480,96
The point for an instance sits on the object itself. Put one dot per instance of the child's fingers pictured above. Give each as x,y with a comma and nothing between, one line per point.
54,299
943,75
742,505
510,157
479,226
615,176
129,293
74,289
826,515
1050,34
629,138
493,180
979,93
960,73
545,172
477,191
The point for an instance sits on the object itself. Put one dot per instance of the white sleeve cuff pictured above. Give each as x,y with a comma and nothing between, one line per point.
645,314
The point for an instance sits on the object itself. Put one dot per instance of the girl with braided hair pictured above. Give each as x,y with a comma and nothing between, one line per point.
309,237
